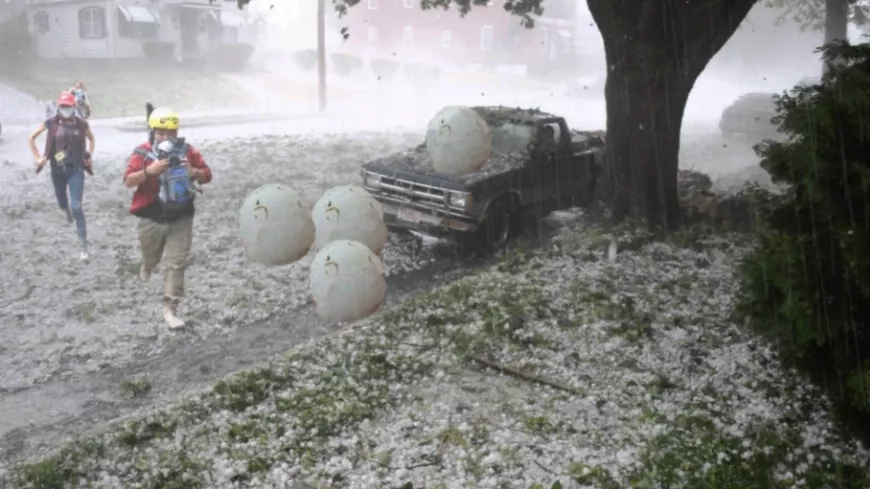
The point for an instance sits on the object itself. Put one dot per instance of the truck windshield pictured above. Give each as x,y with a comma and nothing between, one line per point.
510,138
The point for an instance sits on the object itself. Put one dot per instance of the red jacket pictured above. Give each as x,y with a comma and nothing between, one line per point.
147,192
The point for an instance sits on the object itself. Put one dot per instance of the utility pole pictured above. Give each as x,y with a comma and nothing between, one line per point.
321,54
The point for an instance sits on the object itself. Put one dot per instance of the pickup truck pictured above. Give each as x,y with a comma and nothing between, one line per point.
537,162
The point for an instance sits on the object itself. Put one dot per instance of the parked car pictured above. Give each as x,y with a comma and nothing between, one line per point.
537,162
749,117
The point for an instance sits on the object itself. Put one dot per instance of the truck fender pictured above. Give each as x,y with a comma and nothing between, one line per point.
513,195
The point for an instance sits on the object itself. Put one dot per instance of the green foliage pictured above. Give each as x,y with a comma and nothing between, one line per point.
810,14
807,284
524,9
15,43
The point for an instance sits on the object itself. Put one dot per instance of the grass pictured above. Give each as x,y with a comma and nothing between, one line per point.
314,405
135,387
123,92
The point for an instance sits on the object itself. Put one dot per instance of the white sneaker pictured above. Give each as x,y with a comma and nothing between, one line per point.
144,273
84,255
173,321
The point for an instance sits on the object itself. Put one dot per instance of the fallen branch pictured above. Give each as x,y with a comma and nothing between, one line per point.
527,377
545,469
422,464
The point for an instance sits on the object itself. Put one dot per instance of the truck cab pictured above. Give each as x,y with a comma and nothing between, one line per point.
537,162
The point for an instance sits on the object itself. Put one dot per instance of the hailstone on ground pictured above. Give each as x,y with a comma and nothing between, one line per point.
458,141
275,225
349,212
347,281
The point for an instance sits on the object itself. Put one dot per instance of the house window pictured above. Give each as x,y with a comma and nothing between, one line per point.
40,22
136,22
485,37
92,23
545,38
373,4
446,39
408,37
372,36
409,3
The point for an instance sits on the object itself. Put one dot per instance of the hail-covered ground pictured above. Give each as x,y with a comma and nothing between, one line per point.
560,363
85,343
78,317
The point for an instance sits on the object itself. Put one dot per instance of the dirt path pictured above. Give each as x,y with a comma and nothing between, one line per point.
85,403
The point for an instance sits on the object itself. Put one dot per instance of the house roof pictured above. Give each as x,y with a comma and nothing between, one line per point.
189,3
50,3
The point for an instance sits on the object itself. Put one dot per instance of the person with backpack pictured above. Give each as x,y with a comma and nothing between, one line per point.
164,171
83,104
69,145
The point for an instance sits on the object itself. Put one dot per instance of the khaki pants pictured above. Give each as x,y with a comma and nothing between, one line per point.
170,242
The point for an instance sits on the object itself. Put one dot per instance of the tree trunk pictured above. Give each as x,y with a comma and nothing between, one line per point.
321,55
643,140
836,24
655,51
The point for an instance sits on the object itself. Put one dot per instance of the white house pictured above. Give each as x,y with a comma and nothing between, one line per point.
127,29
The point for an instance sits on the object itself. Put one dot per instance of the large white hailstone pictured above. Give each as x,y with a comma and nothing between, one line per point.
458,141
349,212
347,281
275,225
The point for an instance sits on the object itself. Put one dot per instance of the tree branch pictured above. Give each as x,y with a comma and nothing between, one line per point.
710,24
527,377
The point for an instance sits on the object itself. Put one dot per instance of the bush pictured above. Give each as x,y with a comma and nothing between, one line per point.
385,68
807,284
422,72
159,51
345,64
15,42
305,59
234,57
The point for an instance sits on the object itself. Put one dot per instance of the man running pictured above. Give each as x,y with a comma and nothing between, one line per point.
65,149
164,205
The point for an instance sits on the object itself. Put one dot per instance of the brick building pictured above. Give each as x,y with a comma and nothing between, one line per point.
400,29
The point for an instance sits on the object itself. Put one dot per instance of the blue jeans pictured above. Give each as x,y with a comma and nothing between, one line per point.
74,178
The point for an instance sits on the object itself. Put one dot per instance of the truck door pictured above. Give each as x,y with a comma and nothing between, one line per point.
555,162
564,171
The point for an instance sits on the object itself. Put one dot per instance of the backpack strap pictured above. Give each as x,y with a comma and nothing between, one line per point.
51,126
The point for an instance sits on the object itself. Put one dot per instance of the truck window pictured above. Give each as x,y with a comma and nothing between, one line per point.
557,131
510,138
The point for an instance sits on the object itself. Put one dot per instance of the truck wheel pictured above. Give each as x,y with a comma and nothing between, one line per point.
498,227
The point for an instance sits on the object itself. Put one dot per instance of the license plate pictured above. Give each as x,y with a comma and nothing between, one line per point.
410,215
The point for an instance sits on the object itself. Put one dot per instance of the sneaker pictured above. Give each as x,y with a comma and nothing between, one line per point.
144,273
84,255
173,321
